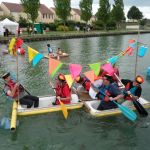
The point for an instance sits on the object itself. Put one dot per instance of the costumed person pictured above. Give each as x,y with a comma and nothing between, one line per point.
63,92
50,50
15,91
133,89
108,92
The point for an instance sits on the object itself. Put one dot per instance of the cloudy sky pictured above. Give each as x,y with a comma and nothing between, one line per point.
143,5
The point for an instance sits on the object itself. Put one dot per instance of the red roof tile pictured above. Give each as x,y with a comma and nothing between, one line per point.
77,11
44,10
13,7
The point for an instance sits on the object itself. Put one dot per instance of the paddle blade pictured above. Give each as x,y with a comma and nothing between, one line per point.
64,109
140,108
130,114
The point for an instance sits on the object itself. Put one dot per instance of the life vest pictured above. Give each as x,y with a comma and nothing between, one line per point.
86,83
63,91
11,86
132,90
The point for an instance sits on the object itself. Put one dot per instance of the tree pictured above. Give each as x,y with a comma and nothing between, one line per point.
117,13
103,13
63,8
31,8
10,17
86,9
134,13
22,22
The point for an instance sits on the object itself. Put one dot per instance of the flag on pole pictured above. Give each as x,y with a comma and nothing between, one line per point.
31,53
37,59
11,46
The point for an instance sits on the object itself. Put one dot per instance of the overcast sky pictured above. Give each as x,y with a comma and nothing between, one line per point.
143,5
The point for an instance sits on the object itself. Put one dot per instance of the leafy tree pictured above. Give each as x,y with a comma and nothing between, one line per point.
10,17
86,9
117,13
134,13
63,8
31,8
22,22
103,13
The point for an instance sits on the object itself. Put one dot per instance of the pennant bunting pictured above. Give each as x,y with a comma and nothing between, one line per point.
131,41
69,80
133,45
142,51
11,46
75,70
19,43
108,68
113,60
54,66
31,53
95,67
37,59
90,75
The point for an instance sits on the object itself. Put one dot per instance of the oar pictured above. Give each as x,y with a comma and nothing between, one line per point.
25,89
63,107
131,115
137,105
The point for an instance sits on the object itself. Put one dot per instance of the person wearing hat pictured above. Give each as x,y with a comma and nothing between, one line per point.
63,92
108,92
15,91
133,89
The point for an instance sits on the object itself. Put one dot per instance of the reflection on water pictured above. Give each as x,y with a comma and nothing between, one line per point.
80,131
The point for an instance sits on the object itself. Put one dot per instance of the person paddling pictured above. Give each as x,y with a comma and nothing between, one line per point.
108,92
63,92
133,89
14,90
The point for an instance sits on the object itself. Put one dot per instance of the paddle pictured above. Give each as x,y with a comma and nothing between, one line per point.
137,104
131,115
63,107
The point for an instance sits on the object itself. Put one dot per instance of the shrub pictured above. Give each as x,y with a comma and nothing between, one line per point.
62,28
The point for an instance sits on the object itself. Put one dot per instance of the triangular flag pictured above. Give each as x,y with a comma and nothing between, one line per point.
95,67
108,68
113,60
75,70
90,75
142,50
54,65
131,41
133,45
19,43
31,53
36,59
64,109
11,46
69,80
